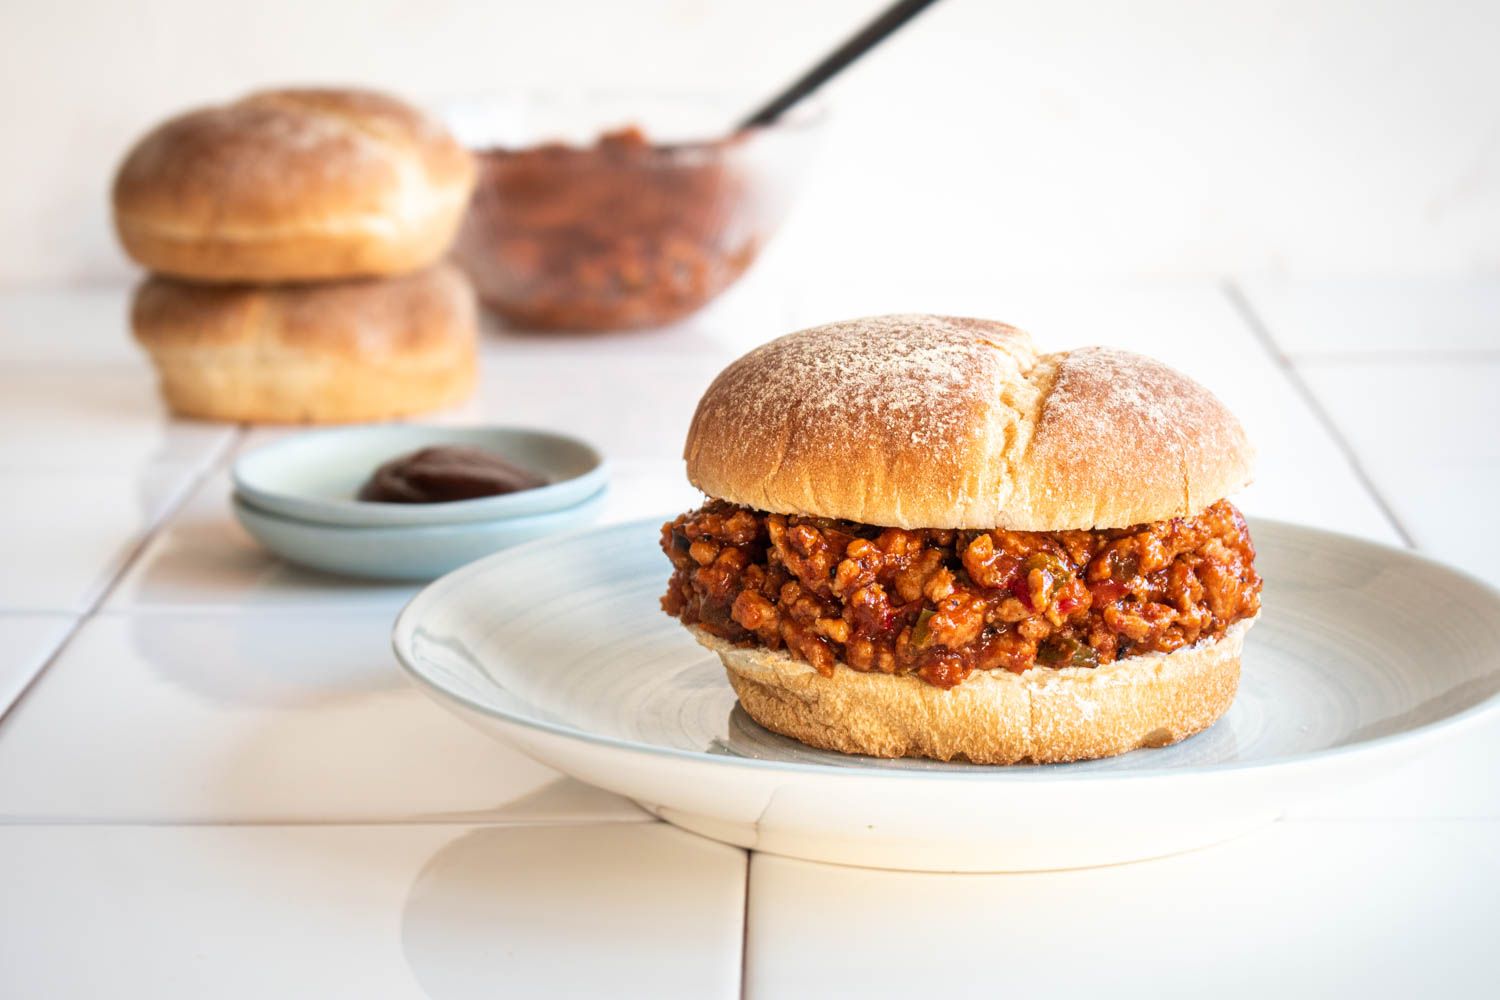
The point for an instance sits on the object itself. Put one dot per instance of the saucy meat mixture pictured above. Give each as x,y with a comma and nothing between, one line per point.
942,604
624,233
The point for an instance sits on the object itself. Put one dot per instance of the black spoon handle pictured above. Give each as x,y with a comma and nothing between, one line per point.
868,37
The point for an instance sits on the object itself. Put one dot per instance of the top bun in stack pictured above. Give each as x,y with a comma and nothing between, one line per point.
312,221
293,185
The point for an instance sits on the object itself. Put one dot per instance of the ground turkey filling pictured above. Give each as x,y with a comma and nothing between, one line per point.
941,604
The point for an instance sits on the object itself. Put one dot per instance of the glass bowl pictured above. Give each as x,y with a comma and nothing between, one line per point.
616,212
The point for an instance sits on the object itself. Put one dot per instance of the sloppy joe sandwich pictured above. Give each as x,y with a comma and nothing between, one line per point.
925,538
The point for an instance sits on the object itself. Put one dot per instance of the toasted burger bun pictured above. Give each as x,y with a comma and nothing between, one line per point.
358,350
938,422
1043,716
293,185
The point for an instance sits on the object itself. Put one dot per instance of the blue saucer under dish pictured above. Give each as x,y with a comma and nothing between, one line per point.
315,476
403,552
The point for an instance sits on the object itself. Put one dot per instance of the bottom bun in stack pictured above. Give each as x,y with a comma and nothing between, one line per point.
316,353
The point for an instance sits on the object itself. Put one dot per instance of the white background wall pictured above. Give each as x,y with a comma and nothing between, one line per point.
1088,136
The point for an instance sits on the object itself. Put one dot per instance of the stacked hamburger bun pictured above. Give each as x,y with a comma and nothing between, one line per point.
296,241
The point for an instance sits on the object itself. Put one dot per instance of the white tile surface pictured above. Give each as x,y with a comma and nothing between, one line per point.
1442,504
1409,316
631,394
26,641
1303,909
203,559
222,685
631,406
418,911
88,323
65,535
1426,433
1414,411
258,718
647,490
88,416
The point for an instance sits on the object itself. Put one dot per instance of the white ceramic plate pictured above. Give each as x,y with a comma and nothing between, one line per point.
1364,656
315,476
405,552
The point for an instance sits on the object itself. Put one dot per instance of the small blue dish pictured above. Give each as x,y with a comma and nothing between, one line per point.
315,476
402,552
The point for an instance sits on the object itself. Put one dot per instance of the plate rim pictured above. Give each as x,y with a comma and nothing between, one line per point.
405,625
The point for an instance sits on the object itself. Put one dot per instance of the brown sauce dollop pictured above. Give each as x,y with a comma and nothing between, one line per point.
443,473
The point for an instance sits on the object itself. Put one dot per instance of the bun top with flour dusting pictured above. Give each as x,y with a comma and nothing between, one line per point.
920,421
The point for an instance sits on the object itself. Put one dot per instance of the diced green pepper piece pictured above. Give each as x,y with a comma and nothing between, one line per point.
921,633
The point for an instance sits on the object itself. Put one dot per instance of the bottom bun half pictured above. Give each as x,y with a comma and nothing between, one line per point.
994,717
314,353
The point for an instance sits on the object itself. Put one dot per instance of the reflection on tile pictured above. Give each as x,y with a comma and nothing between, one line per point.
229,913
26,641
661,912
95,417
203,559
411,911
1371,315
1342,909
561,800
258,718
66,534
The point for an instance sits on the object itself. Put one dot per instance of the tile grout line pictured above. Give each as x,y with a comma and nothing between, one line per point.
745,930
96,609
169,511
9,823
1262,334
